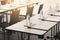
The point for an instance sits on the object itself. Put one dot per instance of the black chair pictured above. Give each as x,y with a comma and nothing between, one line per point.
1,16
40,8
14,18
57,36
3,2
29,11
3,24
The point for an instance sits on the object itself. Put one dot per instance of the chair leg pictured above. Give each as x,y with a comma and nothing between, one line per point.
18,35
4,33
28,37
9,33
22,36
8,36
59,38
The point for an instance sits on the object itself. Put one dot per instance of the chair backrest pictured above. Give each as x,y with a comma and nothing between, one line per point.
3,2
14,18
40,8
1,16
29,11
37,8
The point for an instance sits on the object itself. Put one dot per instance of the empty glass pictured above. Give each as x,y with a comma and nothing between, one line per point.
28,21
42,15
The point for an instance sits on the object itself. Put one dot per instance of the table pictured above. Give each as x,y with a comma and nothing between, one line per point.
19,27
56,14
2,10
42,25
48,18
53,18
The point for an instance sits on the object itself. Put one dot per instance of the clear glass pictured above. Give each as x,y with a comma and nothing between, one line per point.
28,20
51,10
57,8
42,16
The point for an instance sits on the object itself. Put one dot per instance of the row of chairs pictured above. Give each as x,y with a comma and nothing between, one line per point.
14,17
